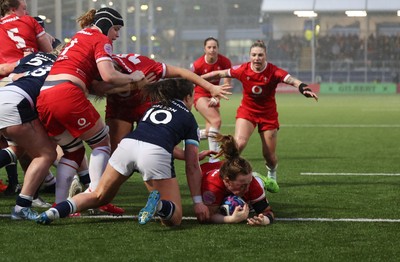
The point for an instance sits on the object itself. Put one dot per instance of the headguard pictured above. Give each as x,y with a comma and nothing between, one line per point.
40,21
105,18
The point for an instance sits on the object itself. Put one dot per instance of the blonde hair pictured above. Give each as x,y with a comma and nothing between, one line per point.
259,43
87,19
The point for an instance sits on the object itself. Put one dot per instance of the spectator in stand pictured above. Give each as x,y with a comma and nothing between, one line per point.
258,106
204,103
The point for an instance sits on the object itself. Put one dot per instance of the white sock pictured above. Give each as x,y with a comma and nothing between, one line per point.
203,134
66,170
212,144
52,213
97,164
272,172
50,179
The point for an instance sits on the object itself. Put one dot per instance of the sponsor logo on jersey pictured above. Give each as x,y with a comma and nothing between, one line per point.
82,121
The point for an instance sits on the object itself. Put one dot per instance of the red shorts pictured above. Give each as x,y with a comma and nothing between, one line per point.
65,107
264,121
201,92
130,108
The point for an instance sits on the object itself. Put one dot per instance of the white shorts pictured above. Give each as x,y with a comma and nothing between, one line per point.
152,161
16,107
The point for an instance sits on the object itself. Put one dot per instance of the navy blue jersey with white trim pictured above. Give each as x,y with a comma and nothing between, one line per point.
167,126
36,66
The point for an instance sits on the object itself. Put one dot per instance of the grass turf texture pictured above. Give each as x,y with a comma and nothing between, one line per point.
339,134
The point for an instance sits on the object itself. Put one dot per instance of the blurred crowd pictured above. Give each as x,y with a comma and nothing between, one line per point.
337,47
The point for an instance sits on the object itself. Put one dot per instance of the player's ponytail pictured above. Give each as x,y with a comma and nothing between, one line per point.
234,164
87,18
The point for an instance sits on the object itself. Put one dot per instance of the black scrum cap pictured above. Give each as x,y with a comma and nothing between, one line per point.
39,20
105,18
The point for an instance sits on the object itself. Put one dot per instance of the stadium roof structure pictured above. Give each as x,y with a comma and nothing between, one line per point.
288,6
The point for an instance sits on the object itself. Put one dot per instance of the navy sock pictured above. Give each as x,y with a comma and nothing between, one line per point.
12,174
23,202
167,210
5,158
64,208
84,178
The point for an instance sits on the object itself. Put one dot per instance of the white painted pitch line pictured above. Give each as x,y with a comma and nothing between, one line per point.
342,125
349,174
369,220
332,125
299,219
381,110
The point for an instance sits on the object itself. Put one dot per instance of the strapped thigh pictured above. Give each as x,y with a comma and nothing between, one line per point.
98,137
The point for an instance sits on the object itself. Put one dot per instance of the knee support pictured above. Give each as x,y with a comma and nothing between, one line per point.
72,147
98,137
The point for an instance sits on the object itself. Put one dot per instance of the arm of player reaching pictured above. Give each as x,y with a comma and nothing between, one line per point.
193,176
115,78
215,90
239,214
216,74
179,153
264,218
303,89
101,88
7,68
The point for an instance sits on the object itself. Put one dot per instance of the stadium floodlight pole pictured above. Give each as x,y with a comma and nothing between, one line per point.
313,50
150,28
137,27
34,8
58,18
78,11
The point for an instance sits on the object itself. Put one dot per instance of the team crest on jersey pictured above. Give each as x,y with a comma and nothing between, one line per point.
208,197
108,48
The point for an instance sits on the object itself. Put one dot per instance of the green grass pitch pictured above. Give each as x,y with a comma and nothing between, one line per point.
352,139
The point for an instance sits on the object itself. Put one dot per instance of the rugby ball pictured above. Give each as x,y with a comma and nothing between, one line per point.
230,203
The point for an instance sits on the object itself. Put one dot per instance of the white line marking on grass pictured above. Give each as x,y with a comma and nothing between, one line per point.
299,219
380,110
342,125
349,174
369,220
332,125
